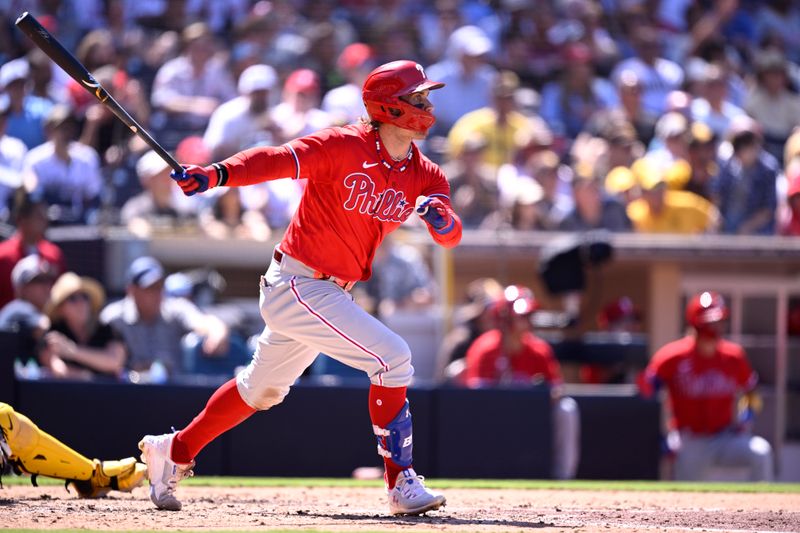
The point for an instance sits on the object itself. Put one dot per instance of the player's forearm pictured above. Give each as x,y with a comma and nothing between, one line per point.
449,236
110,359
255,165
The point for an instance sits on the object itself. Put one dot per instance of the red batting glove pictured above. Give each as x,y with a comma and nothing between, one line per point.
195,179
435,213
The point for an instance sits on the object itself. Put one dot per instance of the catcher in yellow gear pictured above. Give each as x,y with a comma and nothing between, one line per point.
24,448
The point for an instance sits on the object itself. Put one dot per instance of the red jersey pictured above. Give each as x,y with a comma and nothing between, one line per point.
353,198
488,363
12,250
702,390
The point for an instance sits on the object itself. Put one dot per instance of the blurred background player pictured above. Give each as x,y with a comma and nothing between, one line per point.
363,180
511,355
704,375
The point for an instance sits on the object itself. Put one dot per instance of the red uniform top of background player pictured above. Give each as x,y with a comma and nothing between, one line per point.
511,353
703,372
362,181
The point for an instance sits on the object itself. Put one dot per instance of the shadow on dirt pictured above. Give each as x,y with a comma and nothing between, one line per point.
430,519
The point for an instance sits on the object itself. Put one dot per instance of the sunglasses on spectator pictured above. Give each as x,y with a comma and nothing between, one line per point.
78,297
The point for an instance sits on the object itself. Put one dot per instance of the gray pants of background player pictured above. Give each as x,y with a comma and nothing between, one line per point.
726,449
305,317
566,438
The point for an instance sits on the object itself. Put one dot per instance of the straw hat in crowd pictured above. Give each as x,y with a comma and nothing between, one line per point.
69,284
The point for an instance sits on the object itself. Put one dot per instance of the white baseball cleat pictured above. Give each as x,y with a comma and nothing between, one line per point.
410,496
162,472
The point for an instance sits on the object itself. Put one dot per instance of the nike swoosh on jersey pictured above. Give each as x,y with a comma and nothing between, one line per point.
368,165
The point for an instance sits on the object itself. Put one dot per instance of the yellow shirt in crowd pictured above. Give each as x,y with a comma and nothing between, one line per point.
683,212
499,139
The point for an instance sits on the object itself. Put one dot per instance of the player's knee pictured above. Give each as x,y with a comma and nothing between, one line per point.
265,398
760,447
568,405
398,360
761,459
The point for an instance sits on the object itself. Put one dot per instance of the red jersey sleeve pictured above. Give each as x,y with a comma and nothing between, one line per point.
440,188
306,157
660,369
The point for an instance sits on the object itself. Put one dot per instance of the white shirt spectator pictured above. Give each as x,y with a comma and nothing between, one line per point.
177,79
296,124
467,45
344,104
242,122
12,155
719,122
656,81
777,114
233,125
474,92
277,200
70,183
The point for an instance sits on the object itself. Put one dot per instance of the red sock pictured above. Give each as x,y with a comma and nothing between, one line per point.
224,410
384,404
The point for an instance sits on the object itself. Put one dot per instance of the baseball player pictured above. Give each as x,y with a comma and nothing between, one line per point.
704,374
362,182
510,354
24,448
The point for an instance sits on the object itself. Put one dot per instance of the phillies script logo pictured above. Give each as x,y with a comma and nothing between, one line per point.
711,383
387,206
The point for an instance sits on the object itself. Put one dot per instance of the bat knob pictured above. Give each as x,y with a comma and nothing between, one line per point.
417,208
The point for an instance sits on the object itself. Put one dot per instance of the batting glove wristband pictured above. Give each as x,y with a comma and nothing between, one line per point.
434,212
195,179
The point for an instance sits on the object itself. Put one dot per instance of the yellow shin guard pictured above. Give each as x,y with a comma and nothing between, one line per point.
35,452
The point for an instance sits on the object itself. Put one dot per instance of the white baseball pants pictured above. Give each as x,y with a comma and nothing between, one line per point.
726,449
304,317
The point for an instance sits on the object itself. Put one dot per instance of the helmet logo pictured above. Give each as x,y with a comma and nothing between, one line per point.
705,299
421,70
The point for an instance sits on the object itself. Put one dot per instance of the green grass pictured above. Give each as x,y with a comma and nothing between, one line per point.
499,484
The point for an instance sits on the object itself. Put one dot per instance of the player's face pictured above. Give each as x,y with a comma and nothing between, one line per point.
420,101
148,300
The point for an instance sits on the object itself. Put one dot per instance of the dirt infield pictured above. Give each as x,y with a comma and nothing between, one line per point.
363,509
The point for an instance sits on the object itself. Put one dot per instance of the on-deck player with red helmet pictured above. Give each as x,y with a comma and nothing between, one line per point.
511,354
363,180
704,374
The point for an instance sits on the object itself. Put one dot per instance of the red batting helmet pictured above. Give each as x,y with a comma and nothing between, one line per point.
706,308
620,313
515,300
386,84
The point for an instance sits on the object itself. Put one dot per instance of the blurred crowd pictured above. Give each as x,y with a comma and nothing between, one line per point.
670,116
673,116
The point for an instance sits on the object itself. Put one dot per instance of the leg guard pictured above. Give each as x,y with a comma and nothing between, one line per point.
32,451
35,452
124,475
395,441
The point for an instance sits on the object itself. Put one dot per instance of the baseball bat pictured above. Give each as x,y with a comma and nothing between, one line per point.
69,64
